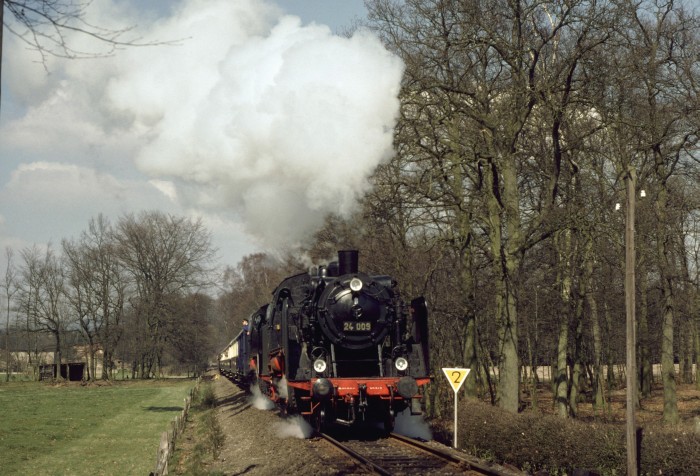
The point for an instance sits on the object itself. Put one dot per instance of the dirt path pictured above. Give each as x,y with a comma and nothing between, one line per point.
257,441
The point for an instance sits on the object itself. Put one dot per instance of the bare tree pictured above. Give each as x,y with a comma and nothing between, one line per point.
166,256
192,338
44,26
10,290
96,290
42,296
492,95
657,112
246,288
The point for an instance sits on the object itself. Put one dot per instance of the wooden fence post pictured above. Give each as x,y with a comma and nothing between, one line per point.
167,438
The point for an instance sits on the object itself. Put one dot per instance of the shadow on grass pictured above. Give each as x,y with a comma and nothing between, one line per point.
249,468
235,403
164,409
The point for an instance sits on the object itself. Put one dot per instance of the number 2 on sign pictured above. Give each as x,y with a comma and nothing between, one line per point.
455,376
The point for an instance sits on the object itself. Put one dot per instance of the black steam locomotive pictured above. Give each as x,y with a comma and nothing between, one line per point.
339,346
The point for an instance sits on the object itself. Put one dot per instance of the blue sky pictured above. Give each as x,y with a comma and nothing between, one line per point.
259,120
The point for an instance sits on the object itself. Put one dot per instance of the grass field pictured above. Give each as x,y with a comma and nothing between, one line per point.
70,429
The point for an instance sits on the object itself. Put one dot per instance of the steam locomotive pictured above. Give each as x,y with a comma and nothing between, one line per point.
337,346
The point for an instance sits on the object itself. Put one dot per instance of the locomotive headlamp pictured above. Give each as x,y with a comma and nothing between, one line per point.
322,388
356,284
320,365
401,364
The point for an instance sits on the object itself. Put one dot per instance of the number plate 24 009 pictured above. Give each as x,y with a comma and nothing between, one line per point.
357,326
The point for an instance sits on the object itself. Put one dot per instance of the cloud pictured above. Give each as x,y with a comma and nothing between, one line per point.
248,117
283,127
166,188
47,199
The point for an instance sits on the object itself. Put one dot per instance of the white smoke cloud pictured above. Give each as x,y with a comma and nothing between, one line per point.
281,122
248,117
258,400
293,427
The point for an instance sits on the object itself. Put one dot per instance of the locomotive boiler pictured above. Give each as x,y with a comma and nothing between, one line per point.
341,347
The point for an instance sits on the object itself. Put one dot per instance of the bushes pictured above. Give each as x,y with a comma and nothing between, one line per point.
670,451
209,428
207,399
213,434
207,437
543,442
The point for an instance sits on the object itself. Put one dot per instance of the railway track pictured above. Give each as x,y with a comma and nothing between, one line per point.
399,455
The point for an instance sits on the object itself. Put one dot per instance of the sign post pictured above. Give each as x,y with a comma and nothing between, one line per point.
456,377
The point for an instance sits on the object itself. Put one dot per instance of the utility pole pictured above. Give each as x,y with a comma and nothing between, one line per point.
2,29
630,255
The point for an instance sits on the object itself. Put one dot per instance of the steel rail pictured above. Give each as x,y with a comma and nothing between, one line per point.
355,455
458,460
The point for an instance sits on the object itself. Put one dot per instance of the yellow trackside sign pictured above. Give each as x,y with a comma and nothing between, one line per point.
456,377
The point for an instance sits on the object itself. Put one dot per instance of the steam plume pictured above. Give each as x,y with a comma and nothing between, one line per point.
258,400
278,122
294,427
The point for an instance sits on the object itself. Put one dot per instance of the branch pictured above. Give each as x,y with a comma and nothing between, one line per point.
46,23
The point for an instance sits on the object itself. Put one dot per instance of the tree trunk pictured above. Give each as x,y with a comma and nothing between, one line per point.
646,377
106,351
665,259
57,358
499,292
531,355
685,353
610,370
695,322
562,243
697,350
510,363
598,378
577,370
467,280
668,376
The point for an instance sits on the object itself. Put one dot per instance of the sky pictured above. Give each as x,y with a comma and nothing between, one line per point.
258,117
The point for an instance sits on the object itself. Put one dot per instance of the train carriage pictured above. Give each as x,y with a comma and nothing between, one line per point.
228,358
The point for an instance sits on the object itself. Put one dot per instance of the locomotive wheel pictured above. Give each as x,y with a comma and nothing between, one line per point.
318,421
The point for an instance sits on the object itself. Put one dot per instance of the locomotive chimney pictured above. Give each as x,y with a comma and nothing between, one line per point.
348,261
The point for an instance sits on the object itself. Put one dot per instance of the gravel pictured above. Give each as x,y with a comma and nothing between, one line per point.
260,442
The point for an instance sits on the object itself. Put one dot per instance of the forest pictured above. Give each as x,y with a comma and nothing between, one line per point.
532,135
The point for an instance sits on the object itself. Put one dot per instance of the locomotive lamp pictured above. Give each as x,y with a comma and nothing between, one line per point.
320,366
401,364
322,388
356,284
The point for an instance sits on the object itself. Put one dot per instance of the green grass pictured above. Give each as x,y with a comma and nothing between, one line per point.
93,430
16,377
